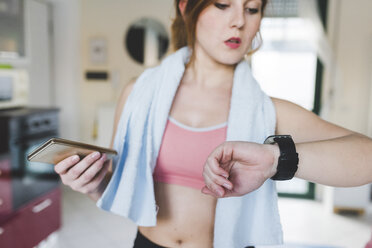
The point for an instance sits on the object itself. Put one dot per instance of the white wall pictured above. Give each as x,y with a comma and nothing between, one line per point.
350,32
347,96
110,20
66,76
39,41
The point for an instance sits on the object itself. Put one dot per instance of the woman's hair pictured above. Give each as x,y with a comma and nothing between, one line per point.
184,27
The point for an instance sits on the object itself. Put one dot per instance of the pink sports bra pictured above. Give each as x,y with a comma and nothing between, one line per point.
183,153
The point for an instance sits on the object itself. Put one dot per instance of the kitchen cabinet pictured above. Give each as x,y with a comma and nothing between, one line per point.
32,223
5,197
30,196
7,235
38,219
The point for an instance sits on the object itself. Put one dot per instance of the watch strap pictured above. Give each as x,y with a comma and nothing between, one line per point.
288,159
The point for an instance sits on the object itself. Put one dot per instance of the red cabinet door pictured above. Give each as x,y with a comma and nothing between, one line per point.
7,235
38,219
5,187
5,196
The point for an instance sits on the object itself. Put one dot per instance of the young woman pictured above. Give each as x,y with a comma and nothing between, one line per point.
172,118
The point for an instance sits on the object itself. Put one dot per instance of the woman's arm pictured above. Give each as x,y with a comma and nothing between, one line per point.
328,154
91,175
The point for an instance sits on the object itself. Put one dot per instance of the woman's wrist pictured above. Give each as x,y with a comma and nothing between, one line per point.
287,159
275,153
96,195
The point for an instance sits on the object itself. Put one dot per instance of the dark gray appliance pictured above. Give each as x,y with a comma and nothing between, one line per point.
23,129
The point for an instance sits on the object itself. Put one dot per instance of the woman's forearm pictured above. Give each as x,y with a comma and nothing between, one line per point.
340,162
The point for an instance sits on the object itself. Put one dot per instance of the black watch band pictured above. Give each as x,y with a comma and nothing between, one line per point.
288,159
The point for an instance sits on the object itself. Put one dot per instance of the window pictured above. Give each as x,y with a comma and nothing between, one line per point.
287,67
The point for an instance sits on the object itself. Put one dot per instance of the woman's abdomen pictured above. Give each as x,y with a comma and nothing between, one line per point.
185,217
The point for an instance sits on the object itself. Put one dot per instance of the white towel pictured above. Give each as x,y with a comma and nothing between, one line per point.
252,219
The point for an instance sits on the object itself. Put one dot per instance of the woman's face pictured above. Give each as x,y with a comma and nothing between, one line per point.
225,29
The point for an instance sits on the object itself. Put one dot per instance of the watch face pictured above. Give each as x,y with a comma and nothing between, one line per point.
272,139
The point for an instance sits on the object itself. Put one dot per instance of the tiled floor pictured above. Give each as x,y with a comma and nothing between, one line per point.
306,224
85,225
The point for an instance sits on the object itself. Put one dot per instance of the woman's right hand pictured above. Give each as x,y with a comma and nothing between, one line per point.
86,175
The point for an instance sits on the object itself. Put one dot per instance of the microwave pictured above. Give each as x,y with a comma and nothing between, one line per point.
14,88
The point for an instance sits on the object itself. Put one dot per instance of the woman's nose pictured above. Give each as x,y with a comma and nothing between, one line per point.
237,18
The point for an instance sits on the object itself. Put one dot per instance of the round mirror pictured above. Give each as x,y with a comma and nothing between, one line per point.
147,41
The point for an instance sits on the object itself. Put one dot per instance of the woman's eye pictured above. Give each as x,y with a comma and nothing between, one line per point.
221,5
252,10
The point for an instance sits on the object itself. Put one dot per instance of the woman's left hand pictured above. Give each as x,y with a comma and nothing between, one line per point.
237,168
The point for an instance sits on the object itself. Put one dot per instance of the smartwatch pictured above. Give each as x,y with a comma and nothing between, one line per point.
288,159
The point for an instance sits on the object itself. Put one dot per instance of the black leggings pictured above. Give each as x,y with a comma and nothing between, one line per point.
143,242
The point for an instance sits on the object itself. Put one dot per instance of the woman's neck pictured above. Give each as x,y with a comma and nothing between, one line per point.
205,72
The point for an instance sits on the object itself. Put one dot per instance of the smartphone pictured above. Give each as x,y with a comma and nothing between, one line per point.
55,150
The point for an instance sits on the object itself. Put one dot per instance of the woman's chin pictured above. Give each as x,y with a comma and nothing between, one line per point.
230,61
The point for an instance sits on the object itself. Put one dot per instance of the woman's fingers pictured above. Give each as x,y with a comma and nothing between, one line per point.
79,168
215,184
215,178
217,190
84,176
207,191
218,179
90,180
214,165
91,172
96,182
63,166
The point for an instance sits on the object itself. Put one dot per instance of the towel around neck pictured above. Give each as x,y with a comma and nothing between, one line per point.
252,219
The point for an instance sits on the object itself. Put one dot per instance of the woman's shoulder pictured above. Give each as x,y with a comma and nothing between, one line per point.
128,88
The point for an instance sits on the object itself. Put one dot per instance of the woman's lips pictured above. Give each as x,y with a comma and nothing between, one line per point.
233,42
